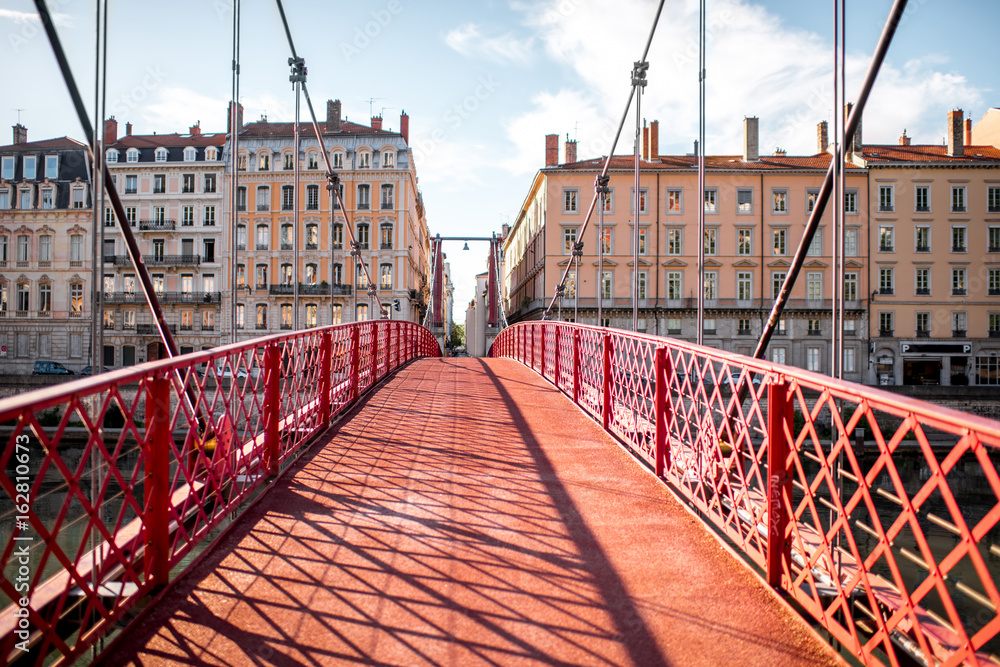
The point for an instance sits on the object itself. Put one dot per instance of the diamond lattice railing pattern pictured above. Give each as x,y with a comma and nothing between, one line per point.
113,482
877,513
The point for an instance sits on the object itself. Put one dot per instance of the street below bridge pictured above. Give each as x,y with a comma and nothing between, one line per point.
466,512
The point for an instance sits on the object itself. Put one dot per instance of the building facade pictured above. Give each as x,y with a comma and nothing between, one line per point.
379,185
171,187
45,253
756,208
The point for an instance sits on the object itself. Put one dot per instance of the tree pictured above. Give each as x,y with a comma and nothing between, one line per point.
458,334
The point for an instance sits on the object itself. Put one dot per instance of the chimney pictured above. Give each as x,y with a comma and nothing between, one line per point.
822,137
751,151
20,134
333,115
551,150
229,118
195,129
645,142
956,145
376,122
570,150
968,131
904,140
110,131
404,127
856,145
654,140
128,129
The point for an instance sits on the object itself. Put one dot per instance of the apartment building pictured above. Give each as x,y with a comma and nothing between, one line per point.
45,251
379,186
756,207
935,257
172,188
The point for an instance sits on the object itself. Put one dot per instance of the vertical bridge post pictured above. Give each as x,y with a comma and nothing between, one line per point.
325,381
272,408
576,365
606,353
355,360
779,413
157,484
662,370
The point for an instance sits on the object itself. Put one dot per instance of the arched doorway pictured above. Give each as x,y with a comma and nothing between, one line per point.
156,350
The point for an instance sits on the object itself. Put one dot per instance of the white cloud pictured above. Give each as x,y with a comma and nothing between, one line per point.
757,66
558,113
174,109
468,40
32,17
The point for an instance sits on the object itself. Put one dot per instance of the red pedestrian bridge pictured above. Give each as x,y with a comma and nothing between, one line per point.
585,496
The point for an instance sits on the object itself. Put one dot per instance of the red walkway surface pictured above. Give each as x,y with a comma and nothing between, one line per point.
466,514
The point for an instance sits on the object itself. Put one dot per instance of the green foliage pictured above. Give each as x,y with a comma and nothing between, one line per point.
458,334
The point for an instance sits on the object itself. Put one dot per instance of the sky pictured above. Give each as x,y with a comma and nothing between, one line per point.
484,82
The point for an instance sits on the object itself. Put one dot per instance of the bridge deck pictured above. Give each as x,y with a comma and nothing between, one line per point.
468,513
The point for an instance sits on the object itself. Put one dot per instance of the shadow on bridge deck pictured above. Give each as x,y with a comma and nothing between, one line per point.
467,513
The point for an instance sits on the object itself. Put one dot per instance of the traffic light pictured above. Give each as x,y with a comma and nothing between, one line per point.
395,304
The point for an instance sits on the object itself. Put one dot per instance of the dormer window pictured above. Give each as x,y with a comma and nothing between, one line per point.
312,161
30,167
24,199
388,160
7,167
289,162
189,154
160,155
364,160
78,197
211,154
338,160
132,155
111,156
52,166
265,162
48,198
241,163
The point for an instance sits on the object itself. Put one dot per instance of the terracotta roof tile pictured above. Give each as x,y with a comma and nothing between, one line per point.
820,161
169,140
63,143
267,129
875,154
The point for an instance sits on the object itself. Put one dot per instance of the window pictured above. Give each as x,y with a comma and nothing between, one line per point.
131,185
387,198
885,200
922,194
363,238
241,163
187,183
993,282
30,164
261,276
743,327
958,199
132,155
642,241
159,215
263,198
711,285
850,286
708,326
609,200
607,282
160,155
607,243
338,236
158,249
7,168
262,237
210,184
569,239
130,215
570,291
675,201
959,324
211,154
987,370
286,237
311,315
187,320
159,183
385,276
76,299
312,237
364,197
261,316
158,283
885,323
674,285
744,200
361,312
813,328
338,160
922,238
994,325
75,248
569,201
850,243
241,237
673,326
45,248
109,319
711,241
312,161
338,274
289,161
23,248
744,241
643,201
241,198
264,162
310,274
744,286
779,201
923,324
814,286
885,280
993,199
128,284
286,274
778,355
958,287
361,278
364,160
388,159
778,246
241,275
993,238
958,239
45,299
240,317
210,216
711,201
813,359
209,246
922,281
208,320
4,199
25,201
777,280
78,197
885,242
312,197
851,201
47,196
52,166
187,284
816,245
337,314
674,237
287,197
187,216
811,197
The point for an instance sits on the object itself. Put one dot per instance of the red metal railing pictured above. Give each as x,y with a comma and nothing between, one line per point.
891,543
112,481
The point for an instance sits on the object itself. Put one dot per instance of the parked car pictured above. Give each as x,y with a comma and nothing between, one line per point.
87,370
50,368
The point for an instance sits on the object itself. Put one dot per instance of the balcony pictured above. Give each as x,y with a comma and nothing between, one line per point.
363,246
263,207
262,246
743,332
923,248
958,291
286,246
886,291
886,248
173,260
164,297
923,209
993,248
385,246
157,225
304,290
338,246
958,209
815,332
151,330
994,333
312,246
387,206
885,333
958,333
958,248
923,333
923,291
363,206
994,291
